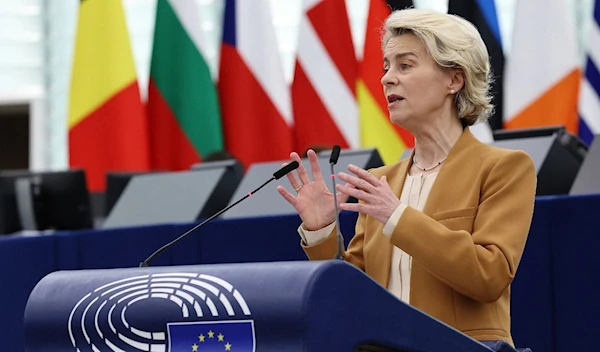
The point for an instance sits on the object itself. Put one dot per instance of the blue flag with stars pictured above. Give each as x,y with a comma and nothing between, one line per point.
211,336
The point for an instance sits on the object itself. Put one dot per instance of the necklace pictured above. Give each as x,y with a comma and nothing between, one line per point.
427,168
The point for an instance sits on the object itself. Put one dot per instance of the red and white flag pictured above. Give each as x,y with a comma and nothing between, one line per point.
323,92
255,99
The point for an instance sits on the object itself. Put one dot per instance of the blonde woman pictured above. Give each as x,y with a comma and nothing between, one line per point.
443,230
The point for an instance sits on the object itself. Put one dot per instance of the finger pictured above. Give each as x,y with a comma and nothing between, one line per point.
294,181
295,157
357,182
314,165
356,193
301,169
356,207
342,197
363,174
287,195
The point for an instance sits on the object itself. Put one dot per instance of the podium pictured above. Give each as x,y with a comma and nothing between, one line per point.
277,306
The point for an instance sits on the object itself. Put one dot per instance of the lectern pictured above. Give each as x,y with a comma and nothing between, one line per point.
278,306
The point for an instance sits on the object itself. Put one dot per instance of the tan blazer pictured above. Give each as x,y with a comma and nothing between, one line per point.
466,244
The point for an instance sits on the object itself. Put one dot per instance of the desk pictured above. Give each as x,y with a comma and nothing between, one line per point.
554,304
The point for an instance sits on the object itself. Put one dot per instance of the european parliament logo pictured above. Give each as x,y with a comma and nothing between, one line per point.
236,335
163,312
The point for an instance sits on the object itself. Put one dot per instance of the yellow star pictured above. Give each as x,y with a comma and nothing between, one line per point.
220,336
211,334
194,347
201,337
227,346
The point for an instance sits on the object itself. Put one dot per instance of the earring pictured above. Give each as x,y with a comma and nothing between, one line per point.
452,91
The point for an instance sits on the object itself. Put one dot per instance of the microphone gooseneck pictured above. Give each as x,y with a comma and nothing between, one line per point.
335,154
276,176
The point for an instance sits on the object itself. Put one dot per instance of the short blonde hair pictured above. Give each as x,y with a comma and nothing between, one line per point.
452,42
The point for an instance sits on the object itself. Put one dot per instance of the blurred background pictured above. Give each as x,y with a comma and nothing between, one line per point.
124,122
37,40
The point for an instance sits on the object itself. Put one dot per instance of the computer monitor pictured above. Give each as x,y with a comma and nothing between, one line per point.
9,215
176,197
116,182
268,202
556,154
542,131
233,175
59,200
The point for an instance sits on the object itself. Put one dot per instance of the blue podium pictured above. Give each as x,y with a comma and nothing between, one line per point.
278,306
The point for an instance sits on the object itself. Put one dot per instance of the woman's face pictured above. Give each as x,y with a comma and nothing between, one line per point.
416,88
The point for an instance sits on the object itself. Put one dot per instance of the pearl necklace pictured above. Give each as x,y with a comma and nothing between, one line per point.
427,168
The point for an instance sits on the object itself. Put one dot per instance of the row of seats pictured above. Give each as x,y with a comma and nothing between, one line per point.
60,200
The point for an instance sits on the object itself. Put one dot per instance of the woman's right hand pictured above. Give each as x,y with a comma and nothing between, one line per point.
314,201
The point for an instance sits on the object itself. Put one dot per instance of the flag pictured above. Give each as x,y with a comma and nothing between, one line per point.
376,129
323,90
255,99
589,98
107,124
542,72
183,107
482,13
212,336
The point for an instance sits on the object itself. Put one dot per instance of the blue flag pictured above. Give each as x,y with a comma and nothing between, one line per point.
589,95
211,336
482,13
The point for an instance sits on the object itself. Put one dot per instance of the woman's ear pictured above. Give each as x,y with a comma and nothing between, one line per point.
457,80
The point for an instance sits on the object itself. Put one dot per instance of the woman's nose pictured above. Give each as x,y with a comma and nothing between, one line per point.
387,79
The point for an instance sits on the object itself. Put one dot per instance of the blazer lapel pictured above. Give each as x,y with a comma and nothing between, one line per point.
381,243
450,170
399,177
378,267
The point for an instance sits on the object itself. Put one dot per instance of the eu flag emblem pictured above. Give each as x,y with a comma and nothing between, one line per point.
234,335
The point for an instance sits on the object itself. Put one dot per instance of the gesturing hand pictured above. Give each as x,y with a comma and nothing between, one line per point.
379,201
314,202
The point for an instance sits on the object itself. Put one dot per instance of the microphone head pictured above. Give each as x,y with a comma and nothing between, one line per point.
335,154
285,170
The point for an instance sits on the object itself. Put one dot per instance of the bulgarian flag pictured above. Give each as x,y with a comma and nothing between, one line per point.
107,124
183,107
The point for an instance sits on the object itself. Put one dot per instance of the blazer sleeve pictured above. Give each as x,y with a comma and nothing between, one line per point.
481,264
327,248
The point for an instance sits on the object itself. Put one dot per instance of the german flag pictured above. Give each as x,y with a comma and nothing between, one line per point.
107,125
375,126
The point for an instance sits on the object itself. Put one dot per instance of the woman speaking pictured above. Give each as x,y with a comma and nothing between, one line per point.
443,230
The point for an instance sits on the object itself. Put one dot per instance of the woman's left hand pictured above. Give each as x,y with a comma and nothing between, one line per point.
378,199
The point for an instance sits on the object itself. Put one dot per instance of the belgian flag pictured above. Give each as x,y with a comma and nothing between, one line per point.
107,125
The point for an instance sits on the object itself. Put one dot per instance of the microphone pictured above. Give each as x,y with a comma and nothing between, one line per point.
335,155
276,176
